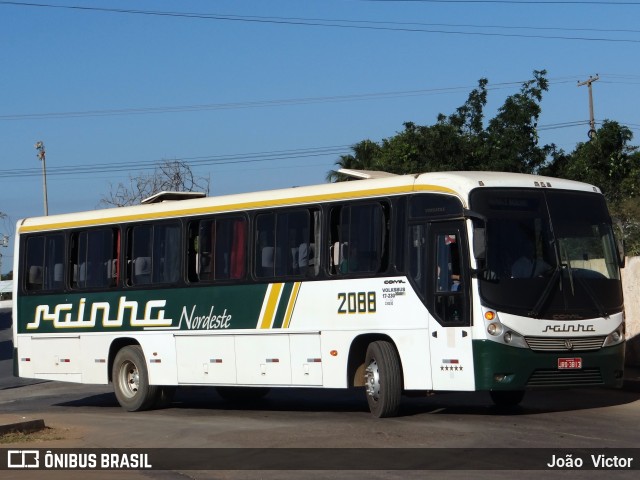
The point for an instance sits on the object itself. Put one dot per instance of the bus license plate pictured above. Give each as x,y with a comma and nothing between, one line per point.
570,363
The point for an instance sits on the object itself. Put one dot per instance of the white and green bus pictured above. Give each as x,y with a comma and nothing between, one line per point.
457,281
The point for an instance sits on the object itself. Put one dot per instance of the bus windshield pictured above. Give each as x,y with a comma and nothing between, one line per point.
550,254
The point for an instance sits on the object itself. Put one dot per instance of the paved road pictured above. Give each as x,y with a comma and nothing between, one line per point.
7,380
88,416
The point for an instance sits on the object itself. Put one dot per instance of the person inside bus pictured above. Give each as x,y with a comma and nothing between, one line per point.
349,261
528,264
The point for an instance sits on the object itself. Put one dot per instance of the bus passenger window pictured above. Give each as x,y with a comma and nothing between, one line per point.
154,254
45,262
34,263
265,245
285,244
94,258
357,241
218,249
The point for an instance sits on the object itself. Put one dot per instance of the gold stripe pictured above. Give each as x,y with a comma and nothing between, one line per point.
272,303
292,302
235,207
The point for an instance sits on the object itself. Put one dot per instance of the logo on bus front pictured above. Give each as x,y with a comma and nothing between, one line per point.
565,328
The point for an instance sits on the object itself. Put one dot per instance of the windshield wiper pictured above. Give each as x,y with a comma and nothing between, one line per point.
557,273
585,285
593,297
569,270
535,312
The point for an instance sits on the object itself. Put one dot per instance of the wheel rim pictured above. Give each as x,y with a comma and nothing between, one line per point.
372,380
129,379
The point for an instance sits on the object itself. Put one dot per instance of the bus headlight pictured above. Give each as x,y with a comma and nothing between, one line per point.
494,329
615,337
507,337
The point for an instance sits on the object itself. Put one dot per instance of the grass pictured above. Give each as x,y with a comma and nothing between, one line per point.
46,434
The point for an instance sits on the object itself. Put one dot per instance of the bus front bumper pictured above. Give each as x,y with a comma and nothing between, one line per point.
502,367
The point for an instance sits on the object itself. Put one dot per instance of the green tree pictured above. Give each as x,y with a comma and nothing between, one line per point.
609,162
460,141
512,138
363,158
509,143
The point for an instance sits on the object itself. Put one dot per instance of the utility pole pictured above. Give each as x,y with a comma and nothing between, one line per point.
4,242
42,156
592,122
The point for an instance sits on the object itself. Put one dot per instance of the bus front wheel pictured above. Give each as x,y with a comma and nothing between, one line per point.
382,379
131,380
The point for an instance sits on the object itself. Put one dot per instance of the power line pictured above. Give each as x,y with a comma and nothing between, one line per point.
231,105
204,16
517,2
618,79
555,126
217,160
239,158
333,23
261,103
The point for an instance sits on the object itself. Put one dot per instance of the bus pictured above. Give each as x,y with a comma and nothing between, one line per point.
399,284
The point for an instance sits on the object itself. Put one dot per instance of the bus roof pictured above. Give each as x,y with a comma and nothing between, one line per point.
459,184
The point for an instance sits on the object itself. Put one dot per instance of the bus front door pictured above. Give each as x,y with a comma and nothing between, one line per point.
439,253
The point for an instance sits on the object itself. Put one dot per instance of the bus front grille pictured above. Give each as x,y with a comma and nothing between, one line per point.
554,344
568,378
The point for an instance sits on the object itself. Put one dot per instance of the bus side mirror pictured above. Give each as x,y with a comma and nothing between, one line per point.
479,243
479,234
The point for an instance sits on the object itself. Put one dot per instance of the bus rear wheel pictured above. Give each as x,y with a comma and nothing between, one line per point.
131,380
383,379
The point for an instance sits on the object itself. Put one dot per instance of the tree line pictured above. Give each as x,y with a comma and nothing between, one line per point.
508,142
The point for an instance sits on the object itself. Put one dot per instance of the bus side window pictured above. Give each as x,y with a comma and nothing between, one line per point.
448,263
450,306
34,263
285,244
166,257
417,236
94,258
265,245
308,251
217,249
45,262
154,254
357,239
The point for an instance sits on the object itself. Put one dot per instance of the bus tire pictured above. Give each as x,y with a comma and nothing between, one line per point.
383,379
507,398
131,380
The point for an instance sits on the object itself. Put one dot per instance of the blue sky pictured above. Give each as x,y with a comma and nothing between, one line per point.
274,76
